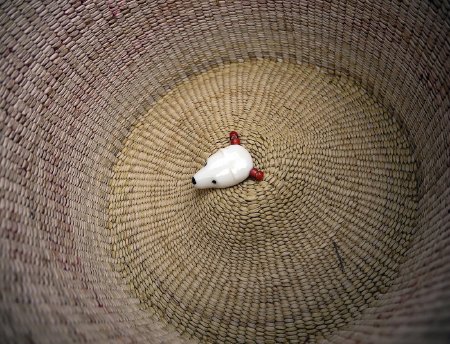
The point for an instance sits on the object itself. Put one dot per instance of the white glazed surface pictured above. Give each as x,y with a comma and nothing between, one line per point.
227,167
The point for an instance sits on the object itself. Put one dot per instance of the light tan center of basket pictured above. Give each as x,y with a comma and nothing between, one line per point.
294,257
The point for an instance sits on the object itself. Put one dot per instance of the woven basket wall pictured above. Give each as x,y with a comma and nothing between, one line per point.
107,108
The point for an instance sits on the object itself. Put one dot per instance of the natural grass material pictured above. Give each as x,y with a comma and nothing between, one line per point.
292,258
77,78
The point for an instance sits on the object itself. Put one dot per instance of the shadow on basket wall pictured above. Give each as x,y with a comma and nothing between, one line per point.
107,108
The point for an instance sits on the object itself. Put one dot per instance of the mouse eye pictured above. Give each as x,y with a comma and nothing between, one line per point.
214,182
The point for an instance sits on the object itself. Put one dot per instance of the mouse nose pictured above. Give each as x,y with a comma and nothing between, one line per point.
193,181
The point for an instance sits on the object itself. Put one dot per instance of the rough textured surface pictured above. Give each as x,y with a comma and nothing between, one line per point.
76,76
296,256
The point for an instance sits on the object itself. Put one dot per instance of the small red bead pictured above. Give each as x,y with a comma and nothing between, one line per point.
235,141
257,174
234,134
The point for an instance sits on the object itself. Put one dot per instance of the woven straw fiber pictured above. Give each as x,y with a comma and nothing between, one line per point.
107,108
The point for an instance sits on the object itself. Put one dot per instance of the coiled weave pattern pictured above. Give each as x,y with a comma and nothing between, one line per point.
107,108
291,258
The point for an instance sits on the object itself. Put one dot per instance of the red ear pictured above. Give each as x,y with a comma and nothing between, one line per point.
257,174
234,138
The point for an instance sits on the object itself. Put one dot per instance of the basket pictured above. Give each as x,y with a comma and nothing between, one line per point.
108,108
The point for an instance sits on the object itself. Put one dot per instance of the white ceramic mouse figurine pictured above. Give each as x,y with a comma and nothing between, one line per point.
227,167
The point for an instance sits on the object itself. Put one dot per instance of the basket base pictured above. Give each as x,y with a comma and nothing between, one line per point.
296,256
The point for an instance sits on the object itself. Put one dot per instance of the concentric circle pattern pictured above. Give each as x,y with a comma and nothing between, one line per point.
291,258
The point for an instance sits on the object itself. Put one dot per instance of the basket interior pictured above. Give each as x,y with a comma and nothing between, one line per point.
107,110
